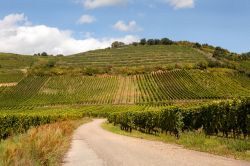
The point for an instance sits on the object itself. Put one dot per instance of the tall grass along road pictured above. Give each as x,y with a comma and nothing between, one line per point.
94,146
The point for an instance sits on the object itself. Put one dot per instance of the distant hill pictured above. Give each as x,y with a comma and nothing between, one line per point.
124,60
128,59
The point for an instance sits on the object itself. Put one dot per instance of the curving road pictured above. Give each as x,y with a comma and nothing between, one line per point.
93,146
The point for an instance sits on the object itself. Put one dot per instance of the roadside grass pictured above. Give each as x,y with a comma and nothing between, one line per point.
233,148
42,145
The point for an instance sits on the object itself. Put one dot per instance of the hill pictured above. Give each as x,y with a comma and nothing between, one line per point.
123,60
141,74
160,88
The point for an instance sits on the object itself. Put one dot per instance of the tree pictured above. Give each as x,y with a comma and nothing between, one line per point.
134,43
117,44
44,54
151,42
157,41
143,41
197,45
220,52
166,41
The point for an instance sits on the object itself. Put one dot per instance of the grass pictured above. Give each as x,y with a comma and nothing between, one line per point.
43,145
238,149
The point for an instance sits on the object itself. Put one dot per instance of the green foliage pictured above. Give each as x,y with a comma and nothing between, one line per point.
51,64
44,54
135,44
220,52
21,119
166,41
197,45
202,65
10,125
12,76
229,118
117,44
151,42
143,41
158,88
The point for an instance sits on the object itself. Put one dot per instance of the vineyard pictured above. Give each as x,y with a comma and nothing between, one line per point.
20,120
171,100
135,56
159,88
227,119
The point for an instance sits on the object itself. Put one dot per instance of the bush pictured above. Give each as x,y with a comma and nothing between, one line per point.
117,44
166,41
150,41
51,64
228,118
143,41
44,54
197,45
202,65
220,52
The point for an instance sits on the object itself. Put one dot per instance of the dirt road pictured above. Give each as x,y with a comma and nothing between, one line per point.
93,146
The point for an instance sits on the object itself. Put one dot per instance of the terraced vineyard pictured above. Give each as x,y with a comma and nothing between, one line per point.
13,61
135,56
174,85
159,88
223,82
10,77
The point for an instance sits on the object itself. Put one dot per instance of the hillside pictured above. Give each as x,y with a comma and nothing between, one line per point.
142,74
159,87
124,60
129,56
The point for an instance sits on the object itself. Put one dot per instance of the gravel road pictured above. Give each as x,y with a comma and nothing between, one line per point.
93,146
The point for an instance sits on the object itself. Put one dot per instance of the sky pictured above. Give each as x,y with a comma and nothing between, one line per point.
73,26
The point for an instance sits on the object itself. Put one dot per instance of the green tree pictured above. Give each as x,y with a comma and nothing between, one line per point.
134,43
166,41
44,54
197,45
157,41
143,41
220,52
151,42
117,44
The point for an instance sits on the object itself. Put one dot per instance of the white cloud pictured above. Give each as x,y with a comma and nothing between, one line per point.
178,4
86,19
17,36
129,27
13,20
92,4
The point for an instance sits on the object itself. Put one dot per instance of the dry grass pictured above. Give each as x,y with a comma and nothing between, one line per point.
44,145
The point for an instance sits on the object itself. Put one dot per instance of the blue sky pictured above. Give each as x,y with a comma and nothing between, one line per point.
82,25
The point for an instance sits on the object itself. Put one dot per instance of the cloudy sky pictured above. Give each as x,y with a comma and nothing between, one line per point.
72,26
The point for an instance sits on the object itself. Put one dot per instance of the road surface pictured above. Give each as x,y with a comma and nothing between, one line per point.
93,146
